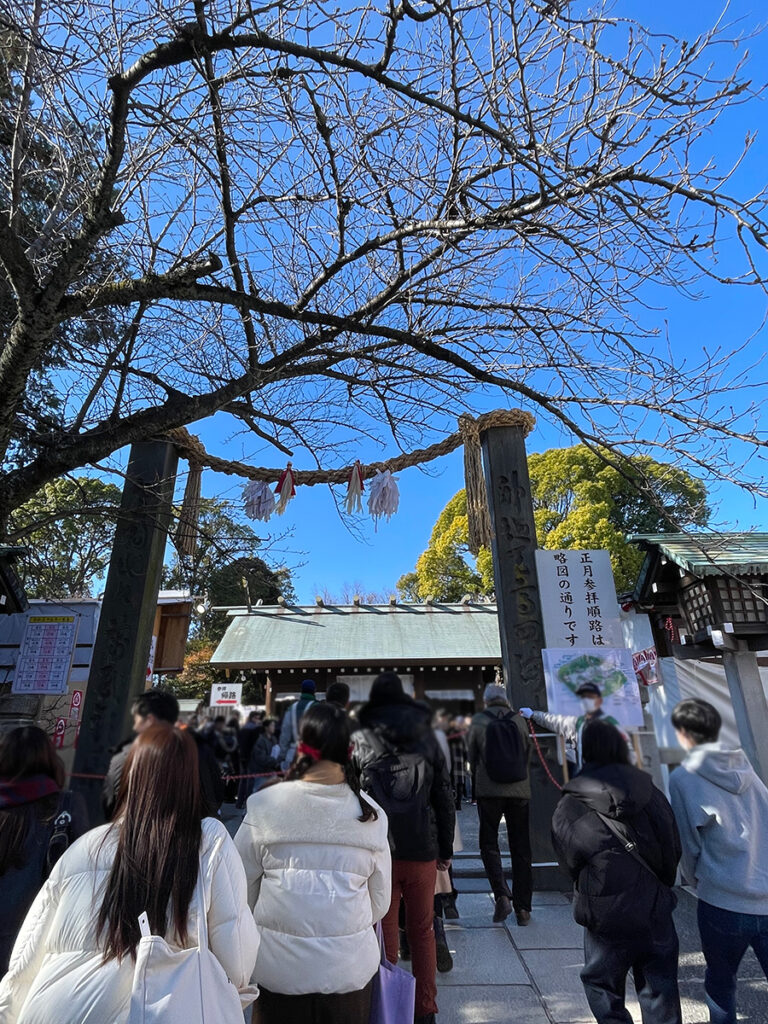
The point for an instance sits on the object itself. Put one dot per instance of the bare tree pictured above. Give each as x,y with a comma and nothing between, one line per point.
348,593
328,222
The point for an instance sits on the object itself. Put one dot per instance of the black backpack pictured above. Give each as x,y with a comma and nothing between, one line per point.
506,753
400,784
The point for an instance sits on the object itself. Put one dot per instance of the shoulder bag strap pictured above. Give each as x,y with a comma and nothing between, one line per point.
629,845
202,917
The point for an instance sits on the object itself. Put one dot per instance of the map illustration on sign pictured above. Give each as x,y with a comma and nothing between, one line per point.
611,669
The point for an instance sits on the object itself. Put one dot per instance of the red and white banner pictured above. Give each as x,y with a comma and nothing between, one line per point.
646,666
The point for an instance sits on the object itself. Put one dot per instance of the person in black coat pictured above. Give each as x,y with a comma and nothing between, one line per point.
246,740
623,899
31,798
399,763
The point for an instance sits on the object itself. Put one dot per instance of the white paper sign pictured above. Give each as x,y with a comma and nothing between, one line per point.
578,599
609,668
45,655
226,694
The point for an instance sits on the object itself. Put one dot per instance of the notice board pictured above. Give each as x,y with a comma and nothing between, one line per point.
45,656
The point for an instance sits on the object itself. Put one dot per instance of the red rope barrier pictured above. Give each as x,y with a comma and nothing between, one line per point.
544,764
225,778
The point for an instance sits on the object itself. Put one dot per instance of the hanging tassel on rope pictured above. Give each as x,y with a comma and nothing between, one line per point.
478,516
286,489
189,514
259,500
355,488
384,496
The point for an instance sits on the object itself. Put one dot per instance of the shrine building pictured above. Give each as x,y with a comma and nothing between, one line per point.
444,653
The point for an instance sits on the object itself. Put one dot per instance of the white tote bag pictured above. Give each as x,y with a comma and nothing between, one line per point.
182,986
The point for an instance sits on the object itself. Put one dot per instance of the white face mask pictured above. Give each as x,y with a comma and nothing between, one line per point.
589,704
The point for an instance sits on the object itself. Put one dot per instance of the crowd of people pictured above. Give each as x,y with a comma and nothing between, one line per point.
350,824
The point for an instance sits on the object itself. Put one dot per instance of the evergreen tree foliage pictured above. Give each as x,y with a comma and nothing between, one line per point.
579,501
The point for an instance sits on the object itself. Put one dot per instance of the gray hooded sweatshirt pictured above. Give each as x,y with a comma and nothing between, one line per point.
721,807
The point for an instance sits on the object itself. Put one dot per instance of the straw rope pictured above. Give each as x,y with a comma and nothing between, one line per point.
469,433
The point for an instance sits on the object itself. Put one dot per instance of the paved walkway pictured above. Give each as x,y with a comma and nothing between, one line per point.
504,974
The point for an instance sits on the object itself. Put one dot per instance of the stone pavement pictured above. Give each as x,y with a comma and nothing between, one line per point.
504,974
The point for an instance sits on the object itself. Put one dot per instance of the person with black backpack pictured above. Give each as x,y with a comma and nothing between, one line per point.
499,747
38,821
399,763
615,834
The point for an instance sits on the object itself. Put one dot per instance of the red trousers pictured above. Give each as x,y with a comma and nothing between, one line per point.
414,880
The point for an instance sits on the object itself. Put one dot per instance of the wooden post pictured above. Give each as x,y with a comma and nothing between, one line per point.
121,650
750,706
521,629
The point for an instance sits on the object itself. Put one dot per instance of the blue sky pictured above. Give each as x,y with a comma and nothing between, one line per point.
313,540
323,551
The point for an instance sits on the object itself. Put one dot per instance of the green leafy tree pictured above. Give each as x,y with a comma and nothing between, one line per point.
68,528
579,501
442,571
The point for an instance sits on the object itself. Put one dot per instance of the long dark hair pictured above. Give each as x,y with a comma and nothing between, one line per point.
24,752
325,728
157,819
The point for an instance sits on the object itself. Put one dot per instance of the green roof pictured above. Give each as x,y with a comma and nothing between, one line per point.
711,554
293,636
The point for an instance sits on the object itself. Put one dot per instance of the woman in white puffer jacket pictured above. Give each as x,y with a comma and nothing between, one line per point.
318,865
72,962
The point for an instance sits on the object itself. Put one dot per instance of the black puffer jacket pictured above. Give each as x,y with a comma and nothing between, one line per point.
406,727
616,895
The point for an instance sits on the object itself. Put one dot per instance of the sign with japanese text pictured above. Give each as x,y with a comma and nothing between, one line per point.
578,599
611,669
226,694
45,655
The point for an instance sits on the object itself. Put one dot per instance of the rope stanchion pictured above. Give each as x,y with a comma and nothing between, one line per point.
543,760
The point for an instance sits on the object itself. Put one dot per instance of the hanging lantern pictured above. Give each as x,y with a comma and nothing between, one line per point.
384,496
355,488
259,500
286,489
